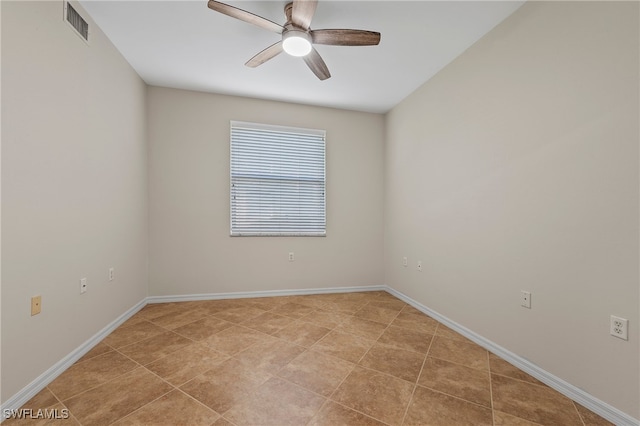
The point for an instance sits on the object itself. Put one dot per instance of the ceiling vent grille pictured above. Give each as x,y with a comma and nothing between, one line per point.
76,21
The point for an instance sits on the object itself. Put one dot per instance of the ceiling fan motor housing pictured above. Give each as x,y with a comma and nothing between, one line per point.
296,41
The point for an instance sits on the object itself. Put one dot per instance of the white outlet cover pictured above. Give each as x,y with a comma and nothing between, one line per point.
420,265
619,327
405,261
525,299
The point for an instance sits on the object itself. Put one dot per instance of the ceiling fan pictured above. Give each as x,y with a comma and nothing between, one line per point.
297,36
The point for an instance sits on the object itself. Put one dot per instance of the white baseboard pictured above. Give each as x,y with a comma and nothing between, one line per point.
599,407
268,293
592,403
29,391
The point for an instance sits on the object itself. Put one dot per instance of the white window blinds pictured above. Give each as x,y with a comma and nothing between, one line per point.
277,180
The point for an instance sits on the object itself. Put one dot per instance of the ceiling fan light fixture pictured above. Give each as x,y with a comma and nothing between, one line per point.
296,43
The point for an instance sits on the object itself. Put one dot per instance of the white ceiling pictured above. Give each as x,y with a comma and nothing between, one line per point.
183,44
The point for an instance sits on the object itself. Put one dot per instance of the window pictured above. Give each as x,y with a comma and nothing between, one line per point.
277,180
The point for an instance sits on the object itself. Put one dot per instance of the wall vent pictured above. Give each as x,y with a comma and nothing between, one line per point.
76,21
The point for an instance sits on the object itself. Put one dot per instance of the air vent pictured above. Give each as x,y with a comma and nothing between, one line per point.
76,21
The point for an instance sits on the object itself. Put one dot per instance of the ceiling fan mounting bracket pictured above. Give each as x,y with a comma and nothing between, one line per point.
292,27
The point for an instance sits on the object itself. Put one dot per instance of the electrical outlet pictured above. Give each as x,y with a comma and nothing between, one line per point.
619,327
405,262
291,257
420,265
525,299
112,272
83,285
36,305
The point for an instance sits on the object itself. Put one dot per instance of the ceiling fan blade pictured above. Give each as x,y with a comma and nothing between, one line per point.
345,37
317,65
245,16
268,53
303,11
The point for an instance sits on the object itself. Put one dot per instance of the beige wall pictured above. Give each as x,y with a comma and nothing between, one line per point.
74,188
190,250
516,167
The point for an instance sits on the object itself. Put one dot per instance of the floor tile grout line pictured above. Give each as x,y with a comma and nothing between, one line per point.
138,365
54,395
326,312
464,340
300,344
359,412
301,387
356,335
454,396
384,331
575,407
199,319
310,350
71,414
129,358
493,411
485,370
74,417
448,394
137,341
198,341
163,356
231,406
226,420
193,342
539,385
141,407
251,345
80,361
314,350
58,401
415,385
357,364
383,373
272,376
387,345
548,388
104,383
413,391
179,388
326,401
227,357
297,385
166,327
330,399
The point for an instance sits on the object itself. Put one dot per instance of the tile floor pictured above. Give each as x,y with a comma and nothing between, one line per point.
333,359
